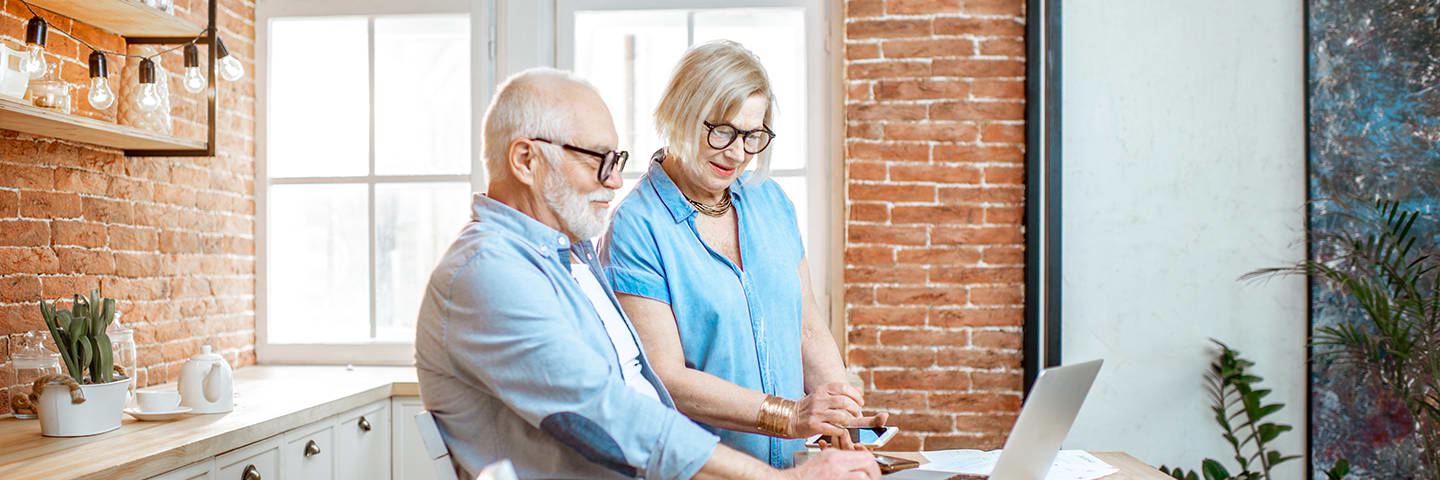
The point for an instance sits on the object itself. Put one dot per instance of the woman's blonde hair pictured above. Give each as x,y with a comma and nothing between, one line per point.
710,83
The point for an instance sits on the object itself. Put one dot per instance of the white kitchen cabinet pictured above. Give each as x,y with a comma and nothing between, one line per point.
410,461
309,451
362,443
201,470
257,461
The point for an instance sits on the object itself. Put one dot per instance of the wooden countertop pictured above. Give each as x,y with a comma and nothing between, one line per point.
269,400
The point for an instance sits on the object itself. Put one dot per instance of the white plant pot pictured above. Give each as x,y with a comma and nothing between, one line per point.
101,412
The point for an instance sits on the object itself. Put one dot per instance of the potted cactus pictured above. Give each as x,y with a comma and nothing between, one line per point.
91,398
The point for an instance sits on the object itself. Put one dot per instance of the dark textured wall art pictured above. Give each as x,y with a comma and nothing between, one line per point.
1374,132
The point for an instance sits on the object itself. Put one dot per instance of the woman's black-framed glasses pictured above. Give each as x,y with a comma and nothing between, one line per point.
609,161
721,135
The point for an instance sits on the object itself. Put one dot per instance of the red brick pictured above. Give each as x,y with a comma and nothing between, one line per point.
1003,256
858,92
999,89
978,153
986,423
861,170
904,442
1002,133
977,235
864,8
946,173
887,235
977,111
972,275
47,204
26,176
1004,215
980,27
892,357
887,69
921,380
916,90
978,194
861,51
885,274
869,255
887,28
1002,47
884,112
9,204
969,441
132,190
928,48
932,131
108,211
81,181
920,295
77,233
971,317
944,214
976,402
19,288
870,130
996,381
994,339
937,256
80,260
887,315
978,68
921,7
1014,8
895,401
889,151
1012,295
149,168
892,193
64,286
926,336
869,212
133,238
24,233
862,335
28,260
136,264
979,358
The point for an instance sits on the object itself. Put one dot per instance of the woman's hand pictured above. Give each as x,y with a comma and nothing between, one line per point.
827,411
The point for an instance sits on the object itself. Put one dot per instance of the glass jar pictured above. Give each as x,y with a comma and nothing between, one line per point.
31,360
122,344
50,91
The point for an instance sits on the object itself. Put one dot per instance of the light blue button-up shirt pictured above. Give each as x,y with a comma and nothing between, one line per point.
515,363
742,325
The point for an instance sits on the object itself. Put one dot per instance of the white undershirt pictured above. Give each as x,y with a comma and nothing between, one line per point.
620,336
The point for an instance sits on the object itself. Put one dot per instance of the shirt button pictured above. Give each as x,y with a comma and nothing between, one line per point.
561,241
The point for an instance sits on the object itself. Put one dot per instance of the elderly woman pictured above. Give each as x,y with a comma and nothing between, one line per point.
707,261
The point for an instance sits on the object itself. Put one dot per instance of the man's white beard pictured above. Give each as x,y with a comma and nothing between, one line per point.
576,215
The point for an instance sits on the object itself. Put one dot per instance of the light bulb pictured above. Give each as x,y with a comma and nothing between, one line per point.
35,62
230,68
149,99
100,95
194,80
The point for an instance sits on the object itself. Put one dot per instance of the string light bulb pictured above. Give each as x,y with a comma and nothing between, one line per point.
101,97
230,68
194,80
35,32
149,99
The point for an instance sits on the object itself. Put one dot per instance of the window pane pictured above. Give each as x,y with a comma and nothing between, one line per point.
415,224
795,189
777,36
422,95
628,55
318,273
318,106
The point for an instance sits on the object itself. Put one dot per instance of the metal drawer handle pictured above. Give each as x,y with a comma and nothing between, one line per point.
311,449
251,473
364,424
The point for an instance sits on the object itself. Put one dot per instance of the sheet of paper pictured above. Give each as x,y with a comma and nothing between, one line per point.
1068,464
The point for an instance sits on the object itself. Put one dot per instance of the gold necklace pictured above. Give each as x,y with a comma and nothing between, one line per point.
718,209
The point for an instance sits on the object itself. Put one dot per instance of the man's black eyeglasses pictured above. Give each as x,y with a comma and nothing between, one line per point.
721,135
609,161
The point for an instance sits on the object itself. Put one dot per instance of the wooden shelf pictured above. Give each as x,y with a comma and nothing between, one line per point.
38,121
127,18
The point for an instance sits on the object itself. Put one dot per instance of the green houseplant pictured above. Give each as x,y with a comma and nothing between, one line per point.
91,397
1388,271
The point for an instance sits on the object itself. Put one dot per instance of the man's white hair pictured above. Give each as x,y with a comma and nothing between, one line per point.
522,108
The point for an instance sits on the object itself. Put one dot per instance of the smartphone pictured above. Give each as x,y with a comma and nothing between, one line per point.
889,464
867,436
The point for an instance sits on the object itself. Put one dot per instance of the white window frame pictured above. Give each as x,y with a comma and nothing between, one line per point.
541,34
482,81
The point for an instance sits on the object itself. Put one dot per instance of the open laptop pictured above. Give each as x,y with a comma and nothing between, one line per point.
1044,422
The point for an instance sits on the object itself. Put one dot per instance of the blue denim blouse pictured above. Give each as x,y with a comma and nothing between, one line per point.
740,325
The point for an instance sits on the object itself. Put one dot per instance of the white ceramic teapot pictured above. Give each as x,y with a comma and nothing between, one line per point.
205,383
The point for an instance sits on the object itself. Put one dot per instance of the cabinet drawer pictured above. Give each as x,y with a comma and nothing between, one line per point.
201,470
309,451
362,443
261,459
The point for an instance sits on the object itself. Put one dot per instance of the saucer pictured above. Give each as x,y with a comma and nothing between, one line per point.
156,416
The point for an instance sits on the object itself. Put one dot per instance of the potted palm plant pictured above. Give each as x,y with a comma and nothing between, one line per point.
1389,271
91,398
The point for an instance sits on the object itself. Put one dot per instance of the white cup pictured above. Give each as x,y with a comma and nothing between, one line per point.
158,401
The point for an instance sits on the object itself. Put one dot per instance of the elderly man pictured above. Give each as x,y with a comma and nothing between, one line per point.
522,351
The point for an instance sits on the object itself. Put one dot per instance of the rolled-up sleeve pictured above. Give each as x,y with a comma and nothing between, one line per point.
631,261
505,328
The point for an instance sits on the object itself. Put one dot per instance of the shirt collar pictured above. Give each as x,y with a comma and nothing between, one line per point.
679,206
540,236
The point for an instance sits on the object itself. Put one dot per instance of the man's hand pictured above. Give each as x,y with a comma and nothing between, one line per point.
838,465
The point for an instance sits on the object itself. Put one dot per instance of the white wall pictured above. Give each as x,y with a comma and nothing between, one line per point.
1183,169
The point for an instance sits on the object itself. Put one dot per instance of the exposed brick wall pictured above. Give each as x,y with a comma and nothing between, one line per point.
171,238
934,255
